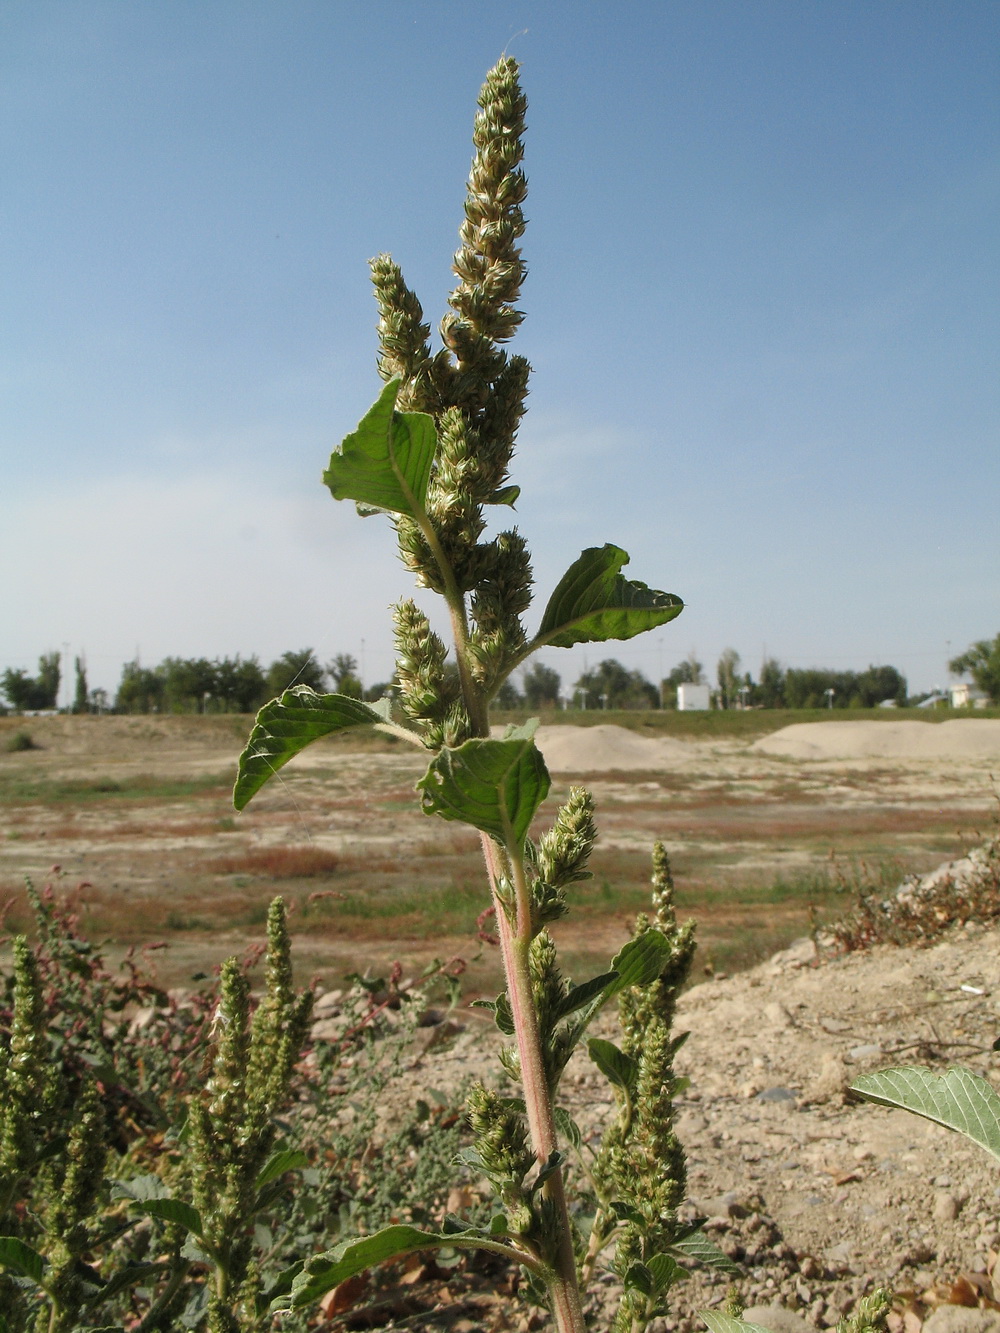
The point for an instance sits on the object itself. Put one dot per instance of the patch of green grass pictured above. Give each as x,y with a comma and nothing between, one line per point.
143,787
20,741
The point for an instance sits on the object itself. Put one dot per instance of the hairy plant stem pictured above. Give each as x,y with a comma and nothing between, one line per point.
515,942
475,703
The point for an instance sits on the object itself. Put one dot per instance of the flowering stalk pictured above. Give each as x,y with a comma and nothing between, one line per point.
433,453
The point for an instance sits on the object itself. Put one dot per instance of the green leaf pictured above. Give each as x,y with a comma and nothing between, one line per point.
638,1278
506,495
140,1187
326,1271
696,1245
617,1067
642,960
665,1271
126,1277
286,1159
717,1322
172,1210
957,1099
386,462
593,603
638,963
577,996
22,1258
568,1127
496,786
287,725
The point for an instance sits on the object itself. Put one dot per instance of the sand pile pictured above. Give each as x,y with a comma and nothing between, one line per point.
962,738
602,749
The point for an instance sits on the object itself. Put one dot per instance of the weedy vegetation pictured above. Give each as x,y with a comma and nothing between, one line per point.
144,1169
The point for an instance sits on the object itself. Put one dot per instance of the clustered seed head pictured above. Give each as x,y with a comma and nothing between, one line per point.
476,394
504,1151
430,690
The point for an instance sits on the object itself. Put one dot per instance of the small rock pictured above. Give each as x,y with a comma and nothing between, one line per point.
777,1015
830,1080
327,1004
962,1319
777,1095
866,1051
946,1206
327,1029
776,1318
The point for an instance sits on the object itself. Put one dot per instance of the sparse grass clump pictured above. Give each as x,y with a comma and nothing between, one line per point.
20,741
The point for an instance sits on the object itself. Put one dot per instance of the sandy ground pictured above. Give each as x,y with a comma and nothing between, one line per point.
819,1196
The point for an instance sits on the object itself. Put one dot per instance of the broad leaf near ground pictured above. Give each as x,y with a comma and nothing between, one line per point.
957,1099
385,463
17,1255
593,603
496,786
287,725
326,1271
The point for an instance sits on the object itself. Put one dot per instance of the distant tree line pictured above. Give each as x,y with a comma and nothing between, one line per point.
242,684
612,685
232,684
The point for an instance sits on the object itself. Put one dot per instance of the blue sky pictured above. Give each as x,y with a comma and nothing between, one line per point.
762,309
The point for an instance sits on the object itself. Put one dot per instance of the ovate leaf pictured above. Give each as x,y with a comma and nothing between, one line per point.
617,1067
637,963
15,1254
286,1159
577,996
172,1210
287,725
666,1271
717,1322
696,1245
496,786
957,1099
326,1271
593,603
386,462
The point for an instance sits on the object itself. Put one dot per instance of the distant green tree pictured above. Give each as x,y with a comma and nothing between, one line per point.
541,686
295,668
188,683
27,693
240,686
140,690
807,687
770,692
982,662
81,703
611,685
343,671
727,674
508,696
879,684
688,672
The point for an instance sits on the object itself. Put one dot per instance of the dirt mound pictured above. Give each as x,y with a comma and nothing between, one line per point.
962,738
605,749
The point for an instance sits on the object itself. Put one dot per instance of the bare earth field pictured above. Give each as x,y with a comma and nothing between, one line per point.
758,828
817,1196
